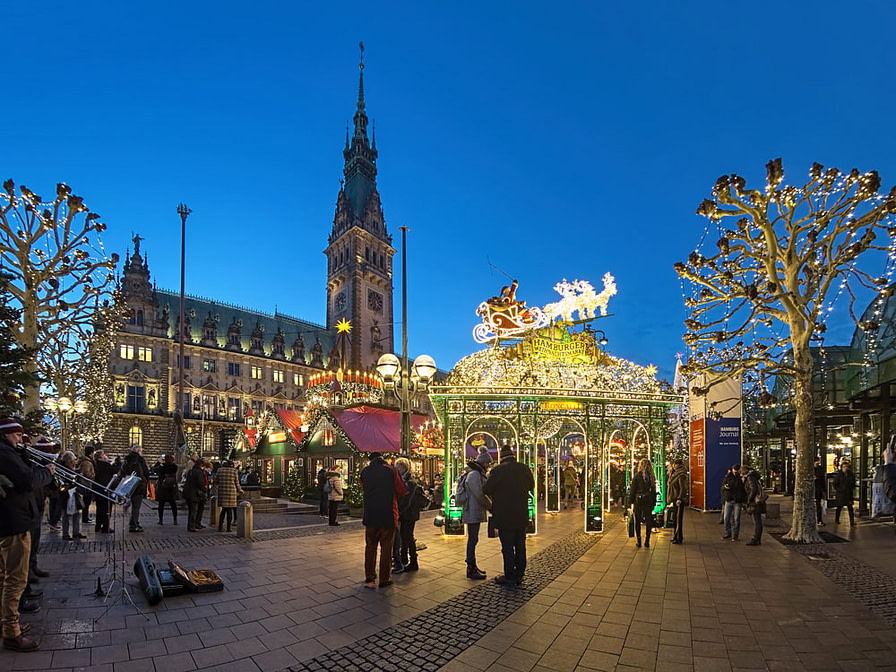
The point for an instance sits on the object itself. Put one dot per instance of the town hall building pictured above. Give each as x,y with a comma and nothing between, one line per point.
239,362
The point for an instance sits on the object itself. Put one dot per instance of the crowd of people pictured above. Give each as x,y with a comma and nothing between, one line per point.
497,495
43,484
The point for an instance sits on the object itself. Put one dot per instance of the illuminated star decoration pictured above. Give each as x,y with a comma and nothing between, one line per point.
343,326
651,370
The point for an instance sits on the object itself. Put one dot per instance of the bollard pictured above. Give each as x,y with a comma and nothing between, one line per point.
214,511
244,518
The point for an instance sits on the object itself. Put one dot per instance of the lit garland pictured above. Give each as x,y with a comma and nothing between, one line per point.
431,436
732,282
344,388
62,279
760,298
500,369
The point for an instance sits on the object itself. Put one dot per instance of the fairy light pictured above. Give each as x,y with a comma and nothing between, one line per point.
831,196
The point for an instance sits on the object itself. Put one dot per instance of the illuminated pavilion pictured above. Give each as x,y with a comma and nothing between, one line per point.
541,386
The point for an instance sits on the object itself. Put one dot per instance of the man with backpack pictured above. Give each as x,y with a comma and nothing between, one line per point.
468,494
756,497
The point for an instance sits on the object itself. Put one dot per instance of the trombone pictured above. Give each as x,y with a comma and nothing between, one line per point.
119,493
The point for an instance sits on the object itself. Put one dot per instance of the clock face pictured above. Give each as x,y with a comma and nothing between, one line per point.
339,302
375,301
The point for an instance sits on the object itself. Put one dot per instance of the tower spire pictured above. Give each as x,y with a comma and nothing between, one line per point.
360,155
361,78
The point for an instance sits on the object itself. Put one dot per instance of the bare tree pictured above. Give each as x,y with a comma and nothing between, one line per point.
762,294
62,282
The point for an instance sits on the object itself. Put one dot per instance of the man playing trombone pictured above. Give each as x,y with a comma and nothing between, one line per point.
17,514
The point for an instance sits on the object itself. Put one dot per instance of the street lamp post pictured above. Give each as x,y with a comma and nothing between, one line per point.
180,436
64,408
396,374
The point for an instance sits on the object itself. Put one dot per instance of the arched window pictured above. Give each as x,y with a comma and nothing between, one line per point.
135,436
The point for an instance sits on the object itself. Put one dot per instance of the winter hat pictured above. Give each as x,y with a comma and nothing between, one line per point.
43,444
506,452
484,458
10,426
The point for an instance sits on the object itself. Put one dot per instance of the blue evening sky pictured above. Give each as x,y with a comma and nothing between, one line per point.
557,140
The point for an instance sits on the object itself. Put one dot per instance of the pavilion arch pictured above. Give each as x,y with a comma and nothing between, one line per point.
538,387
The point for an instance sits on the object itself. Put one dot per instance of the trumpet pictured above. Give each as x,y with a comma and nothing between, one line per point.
119,494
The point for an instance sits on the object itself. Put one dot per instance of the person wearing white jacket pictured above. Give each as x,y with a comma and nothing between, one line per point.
336,495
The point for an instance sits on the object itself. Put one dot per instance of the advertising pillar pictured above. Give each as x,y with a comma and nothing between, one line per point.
715,436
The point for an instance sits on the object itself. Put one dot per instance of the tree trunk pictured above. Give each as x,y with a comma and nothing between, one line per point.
28,339
804,527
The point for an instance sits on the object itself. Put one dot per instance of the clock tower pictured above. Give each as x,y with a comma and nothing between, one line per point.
359,251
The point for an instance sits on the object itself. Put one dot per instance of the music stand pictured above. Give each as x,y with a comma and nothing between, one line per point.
115,562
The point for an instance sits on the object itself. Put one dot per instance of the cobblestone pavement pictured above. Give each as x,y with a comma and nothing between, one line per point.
421,643
293,600
267,526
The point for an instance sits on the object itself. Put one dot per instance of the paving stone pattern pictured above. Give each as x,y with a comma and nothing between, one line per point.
421,643
866,584
52,544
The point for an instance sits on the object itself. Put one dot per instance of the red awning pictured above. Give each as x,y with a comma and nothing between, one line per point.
292,422
375,429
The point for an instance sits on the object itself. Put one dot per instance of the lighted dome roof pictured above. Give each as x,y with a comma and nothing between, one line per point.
503,367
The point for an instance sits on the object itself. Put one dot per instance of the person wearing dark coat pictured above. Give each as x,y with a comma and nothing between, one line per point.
135,465
382,487
821,479
755,507
408,515
322,477
510,485
642,500
35,573
890,472
196,494
844,486
104,474
734,496
166,489
18,510
677,498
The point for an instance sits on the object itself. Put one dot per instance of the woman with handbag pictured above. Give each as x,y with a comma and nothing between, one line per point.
642,500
